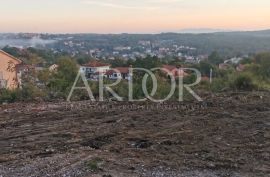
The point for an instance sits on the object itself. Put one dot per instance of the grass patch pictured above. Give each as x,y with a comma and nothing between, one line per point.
94,164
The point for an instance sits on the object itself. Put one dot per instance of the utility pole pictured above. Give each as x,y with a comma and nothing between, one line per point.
211,75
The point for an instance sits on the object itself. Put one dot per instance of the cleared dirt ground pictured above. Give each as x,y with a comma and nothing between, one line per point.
226,135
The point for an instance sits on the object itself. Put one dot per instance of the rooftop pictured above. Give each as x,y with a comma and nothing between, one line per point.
5,53
122,70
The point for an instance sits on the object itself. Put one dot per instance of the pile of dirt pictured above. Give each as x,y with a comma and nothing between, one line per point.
226,135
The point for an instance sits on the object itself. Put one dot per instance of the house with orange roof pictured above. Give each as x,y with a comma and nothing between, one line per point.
119,73
8,71
240,68
94,68
175,71
223,66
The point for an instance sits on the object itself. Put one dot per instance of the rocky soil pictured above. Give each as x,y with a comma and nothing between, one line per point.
226,135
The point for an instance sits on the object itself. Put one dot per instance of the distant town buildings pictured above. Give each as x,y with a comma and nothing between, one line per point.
157,48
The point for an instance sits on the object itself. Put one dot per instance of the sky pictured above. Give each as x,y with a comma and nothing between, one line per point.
131,16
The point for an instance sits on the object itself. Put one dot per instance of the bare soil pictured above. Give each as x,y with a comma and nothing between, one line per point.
226,135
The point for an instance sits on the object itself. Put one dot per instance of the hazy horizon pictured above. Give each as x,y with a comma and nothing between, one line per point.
126,16
181,31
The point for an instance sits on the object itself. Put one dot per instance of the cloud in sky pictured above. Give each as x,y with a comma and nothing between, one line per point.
116,5
121,4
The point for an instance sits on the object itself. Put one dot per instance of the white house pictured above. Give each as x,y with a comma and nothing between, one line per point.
234,60
53,68
94,68
119,73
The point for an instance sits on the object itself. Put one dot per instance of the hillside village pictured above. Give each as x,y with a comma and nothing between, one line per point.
12,69
190,47
11,78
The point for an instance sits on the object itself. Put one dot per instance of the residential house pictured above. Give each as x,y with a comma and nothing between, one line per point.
119,73
224,66
94,68
8,72
234,60
53,68
240,68
205,79
175,71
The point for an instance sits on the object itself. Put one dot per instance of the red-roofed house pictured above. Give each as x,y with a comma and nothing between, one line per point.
240,68
94,68
175,71
118,73
224,66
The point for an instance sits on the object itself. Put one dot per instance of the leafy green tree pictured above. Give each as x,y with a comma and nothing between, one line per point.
148,62
64,78
44,76
247,61
263,60
118,62
82,59
35,59
205,68
67,69
215,58
12,51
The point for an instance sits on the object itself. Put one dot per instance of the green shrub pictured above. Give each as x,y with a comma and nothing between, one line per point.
93,165
8,96
243,81
219,84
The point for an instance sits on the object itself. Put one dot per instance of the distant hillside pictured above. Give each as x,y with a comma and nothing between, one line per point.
227,44
201,30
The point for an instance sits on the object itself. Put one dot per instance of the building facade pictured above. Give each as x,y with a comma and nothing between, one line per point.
94,68
119,73
8,71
